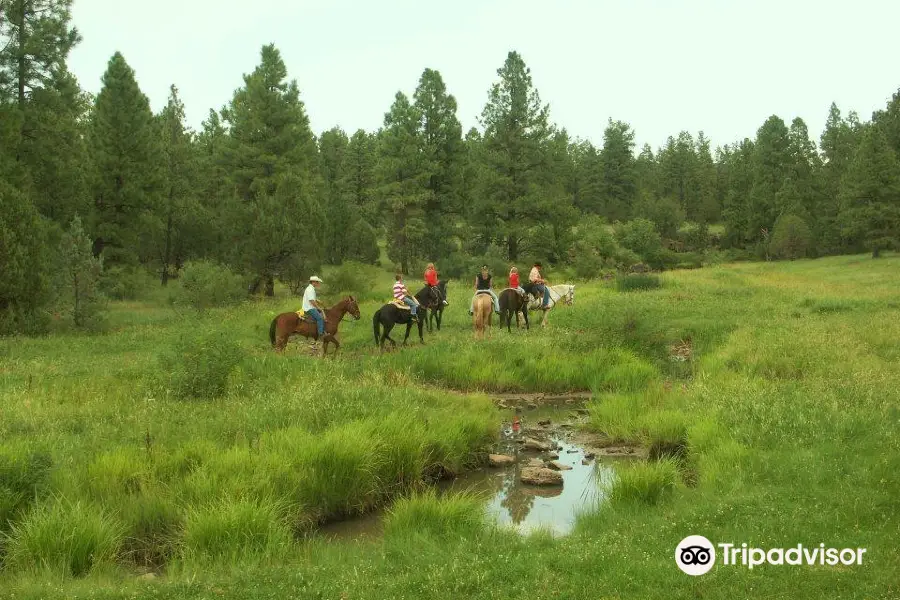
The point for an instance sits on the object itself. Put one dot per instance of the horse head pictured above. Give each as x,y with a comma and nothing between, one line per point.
569,296
352,307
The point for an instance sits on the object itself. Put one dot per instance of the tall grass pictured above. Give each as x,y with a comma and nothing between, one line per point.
65,538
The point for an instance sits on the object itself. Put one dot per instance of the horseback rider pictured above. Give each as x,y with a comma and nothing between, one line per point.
540,284
311,306
402,294
484,283
514,281
431,280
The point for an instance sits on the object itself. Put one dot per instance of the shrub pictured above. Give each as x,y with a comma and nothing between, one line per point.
354,278
24,473
122,283
198,365
450,517
205,284
66,538
641,237
232,530
78,278
645,483
23,262
638,281
791,238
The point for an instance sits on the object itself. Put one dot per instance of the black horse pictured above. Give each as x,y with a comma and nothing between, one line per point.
436,313
512,303
389,315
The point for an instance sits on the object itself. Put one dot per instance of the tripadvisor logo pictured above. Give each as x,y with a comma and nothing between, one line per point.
696,555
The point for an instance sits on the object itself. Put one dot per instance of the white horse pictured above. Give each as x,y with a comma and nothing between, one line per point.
564,292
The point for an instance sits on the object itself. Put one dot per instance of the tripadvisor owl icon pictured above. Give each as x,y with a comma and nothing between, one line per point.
695,555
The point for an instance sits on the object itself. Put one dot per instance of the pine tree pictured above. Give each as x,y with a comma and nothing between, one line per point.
39,39
403,179
179,214
124,146
79,277
271,160
23,262
870,195
339,214
516,186
736,208
360,176
703,183
770,167
442,145
618,183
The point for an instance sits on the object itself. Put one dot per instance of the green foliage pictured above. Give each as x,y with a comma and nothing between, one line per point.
357,279
24,476
23,262
791,238
125,178
79,273
629,282
232,531
205,284
641,237
126,283
644,483
199,364
65,538
424,515
870,195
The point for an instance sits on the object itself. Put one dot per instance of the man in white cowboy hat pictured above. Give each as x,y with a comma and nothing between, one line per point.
311,305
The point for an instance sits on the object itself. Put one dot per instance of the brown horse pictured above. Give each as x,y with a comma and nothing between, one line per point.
511,303
287,324
483,314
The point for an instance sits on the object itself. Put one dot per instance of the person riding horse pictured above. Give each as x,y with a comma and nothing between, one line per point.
431,280
402,294
313,309
540,285
484,284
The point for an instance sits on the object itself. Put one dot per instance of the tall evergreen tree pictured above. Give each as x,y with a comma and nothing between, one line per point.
339,214
179,214
360,175
703,183
736,207
618,185
870,195
403,174
770,162
271,159
35,39
124,146
441,139
514,177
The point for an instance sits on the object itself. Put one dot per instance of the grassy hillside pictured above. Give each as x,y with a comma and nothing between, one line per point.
771,392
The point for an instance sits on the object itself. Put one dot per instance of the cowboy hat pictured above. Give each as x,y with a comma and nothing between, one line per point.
316,278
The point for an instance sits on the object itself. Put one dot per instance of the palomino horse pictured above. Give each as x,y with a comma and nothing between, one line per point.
483,314
389,315
287,324
564,293
512,303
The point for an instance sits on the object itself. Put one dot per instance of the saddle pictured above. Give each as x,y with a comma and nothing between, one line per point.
522,293
482,292
400,304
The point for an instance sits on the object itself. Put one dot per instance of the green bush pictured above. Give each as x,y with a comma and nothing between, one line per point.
354,278
122,283
24,474
198,366
791,239
641,237
638,281
205,284
644,483
78,275
65,538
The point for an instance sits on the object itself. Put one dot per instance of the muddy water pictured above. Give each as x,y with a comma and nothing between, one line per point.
508,501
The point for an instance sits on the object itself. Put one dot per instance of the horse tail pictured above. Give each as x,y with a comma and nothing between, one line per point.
272,328
375,325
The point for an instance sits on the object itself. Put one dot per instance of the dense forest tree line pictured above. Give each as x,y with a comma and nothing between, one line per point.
258,191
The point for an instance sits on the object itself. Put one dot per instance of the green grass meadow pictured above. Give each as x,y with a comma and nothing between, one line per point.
179,443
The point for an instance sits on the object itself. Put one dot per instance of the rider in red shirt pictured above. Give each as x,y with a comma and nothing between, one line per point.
431,279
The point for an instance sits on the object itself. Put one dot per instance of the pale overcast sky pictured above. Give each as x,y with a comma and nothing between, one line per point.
721,66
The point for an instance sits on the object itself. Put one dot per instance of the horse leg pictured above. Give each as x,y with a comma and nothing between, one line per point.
408,329
525,315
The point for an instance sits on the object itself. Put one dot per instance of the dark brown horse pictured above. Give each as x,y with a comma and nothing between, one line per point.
511,303
287,324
